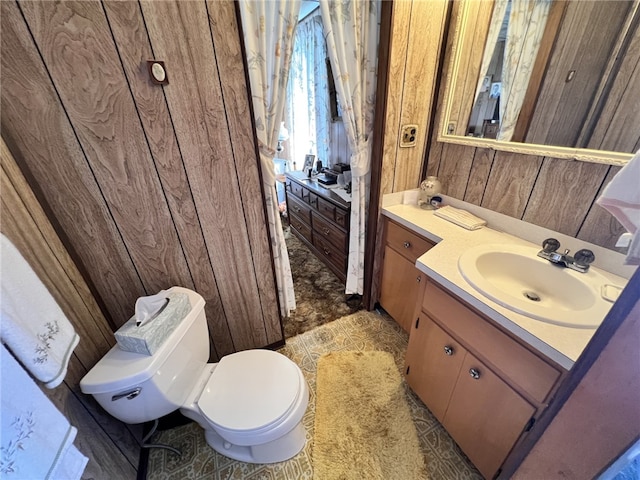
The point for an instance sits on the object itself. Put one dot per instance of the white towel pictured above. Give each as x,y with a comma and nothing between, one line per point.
32,324
622,199
460,217
37,440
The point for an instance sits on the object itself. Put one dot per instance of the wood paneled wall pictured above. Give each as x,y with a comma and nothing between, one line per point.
99,436
416,39
150,186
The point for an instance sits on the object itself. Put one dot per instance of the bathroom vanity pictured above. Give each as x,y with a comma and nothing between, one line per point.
485,371
484,386
400,286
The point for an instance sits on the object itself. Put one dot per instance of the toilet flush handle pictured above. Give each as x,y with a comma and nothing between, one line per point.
130,395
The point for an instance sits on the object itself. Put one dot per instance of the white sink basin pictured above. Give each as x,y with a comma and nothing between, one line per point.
514,277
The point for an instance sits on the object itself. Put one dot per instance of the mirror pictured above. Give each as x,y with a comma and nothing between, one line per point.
545,77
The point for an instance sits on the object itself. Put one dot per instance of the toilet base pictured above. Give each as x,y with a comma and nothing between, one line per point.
277,450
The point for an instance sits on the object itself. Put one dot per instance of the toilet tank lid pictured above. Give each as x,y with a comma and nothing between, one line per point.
119,369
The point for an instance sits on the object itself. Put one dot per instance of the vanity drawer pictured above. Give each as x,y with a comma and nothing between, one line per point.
330,232
331,253
518,364
406,243
299,209
303,229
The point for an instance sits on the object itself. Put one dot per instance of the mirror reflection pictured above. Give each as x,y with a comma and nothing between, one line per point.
546,72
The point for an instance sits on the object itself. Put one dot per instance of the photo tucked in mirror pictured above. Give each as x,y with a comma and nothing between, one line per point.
546,73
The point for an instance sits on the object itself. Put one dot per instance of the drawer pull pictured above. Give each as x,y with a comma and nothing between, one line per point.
326,252
407,244
475,374
297,209
326,231
448,350
419,278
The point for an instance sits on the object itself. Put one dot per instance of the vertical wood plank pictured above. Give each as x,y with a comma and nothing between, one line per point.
455,165
36,127
180,34
127,25
479,175
600,227
229,56
397,60
426,32
568,185
510,183
76,43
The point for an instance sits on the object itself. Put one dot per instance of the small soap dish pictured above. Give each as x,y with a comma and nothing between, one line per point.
610,292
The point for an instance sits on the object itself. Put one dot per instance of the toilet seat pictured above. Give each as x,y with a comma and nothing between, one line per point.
251,392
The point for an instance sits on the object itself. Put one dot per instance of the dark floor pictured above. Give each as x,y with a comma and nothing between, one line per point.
320,296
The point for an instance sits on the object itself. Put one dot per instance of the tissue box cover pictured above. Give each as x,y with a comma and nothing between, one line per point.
148,337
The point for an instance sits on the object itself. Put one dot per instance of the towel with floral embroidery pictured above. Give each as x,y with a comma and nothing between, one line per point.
36,440
32,324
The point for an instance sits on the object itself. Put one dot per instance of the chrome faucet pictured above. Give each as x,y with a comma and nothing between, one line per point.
579,262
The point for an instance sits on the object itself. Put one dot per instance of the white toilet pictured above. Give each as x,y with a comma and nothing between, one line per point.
250,404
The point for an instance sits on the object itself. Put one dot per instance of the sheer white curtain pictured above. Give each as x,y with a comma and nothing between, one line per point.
352,30
268,36
307,112
527,21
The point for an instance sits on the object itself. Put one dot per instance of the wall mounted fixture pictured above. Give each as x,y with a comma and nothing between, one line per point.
157,72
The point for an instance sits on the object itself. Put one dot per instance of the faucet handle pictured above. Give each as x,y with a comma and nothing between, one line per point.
584,257
550,245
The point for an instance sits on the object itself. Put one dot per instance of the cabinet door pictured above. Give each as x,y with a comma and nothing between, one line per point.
399,287
433,361
485,416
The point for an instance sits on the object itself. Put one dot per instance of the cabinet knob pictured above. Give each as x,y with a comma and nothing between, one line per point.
326,252
326,231
407,244
419,278
448,350
475,374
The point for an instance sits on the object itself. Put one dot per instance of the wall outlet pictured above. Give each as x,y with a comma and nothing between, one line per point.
409,136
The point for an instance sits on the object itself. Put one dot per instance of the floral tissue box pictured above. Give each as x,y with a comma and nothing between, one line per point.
149,337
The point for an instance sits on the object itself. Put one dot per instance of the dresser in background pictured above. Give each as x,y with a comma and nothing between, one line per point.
320,218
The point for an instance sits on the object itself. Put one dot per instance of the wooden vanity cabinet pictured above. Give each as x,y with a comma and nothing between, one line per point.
485,387
400,282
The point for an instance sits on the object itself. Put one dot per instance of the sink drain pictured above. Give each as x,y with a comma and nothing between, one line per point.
533,296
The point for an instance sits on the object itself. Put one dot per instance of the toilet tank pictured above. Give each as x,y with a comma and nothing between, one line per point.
137,388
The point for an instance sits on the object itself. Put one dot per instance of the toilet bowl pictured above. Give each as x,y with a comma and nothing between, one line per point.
250,404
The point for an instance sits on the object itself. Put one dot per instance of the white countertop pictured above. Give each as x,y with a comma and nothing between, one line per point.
561,344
